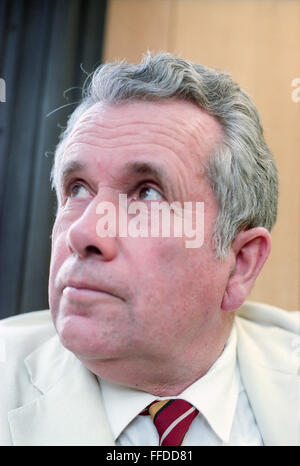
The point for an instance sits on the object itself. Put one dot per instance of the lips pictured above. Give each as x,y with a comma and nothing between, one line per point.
88,286
89,278
85,286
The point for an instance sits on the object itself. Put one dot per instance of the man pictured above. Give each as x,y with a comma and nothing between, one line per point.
143,318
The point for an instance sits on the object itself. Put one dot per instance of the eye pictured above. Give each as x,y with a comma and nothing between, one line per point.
78,191
147,193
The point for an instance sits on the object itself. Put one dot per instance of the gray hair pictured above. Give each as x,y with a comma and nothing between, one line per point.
242,171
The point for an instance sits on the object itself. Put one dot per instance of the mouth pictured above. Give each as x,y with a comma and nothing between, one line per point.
81,290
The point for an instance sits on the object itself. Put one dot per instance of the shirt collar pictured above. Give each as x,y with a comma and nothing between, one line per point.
215,395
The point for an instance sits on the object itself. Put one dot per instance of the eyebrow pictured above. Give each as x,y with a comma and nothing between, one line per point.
69,168
130,168
148,169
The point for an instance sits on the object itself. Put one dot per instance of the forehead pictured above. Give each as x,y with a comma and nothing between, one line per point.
171,132
183,118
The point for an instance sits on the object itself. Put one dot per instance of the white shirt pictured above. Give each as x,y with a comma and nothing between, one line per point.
225,416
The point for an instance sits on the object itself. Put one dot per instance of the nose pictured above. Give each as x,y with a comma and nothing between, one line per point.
83,239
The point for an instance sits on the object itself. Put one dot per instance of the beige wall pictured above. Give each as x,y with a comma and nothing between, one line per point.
258,42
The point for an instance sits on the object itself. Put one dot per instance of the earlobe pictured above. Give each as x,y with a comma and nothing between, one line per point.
251,249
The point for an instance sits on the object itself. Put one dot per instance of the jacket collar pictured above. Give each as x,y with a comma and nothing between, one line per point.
68,409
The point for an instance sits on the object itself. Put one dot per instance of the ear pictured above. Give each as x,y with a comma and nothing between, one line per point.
250,250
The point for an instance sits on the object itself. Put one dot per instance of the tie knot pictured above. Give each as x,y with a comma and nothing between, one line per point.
172,419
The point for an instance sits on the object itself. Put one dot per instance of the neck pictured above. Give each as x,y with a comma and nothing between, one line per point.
164,376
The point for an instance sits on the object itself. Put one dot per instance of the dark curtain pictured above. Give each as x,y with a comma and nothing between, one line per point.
46,47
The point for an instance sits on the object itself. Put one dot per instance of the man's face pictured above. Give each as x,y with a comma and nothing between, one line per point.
132,297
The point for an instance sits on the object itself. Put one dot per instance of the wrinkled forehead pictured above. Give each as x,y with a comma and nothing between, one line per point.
178,126
200,130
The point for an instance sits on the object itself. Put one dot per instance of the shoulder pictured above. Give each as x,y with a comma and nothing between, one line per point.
269,335
20,335
269,316
26,320
268,354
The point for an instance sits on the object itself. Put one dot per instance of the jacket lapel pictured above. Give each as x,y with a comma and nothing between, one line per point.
269,373
68,409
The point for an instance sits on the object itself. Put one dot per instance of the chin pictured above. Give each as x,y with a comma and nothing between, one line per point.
75,334
87,339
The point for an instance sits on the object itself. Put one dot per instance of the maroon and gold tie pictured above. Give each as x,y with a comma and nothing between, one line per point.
172,419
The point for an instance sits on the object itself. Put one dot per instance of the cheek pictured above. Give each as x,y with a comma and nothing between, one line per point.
172,293
59,248
59,254
165,271
182,276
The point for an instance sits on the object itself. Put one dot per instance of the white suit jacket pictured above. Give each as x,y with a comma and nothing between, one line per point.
48,397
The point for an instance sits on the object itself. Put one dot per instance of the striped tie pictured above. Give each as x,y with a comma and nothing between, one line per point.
172,418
